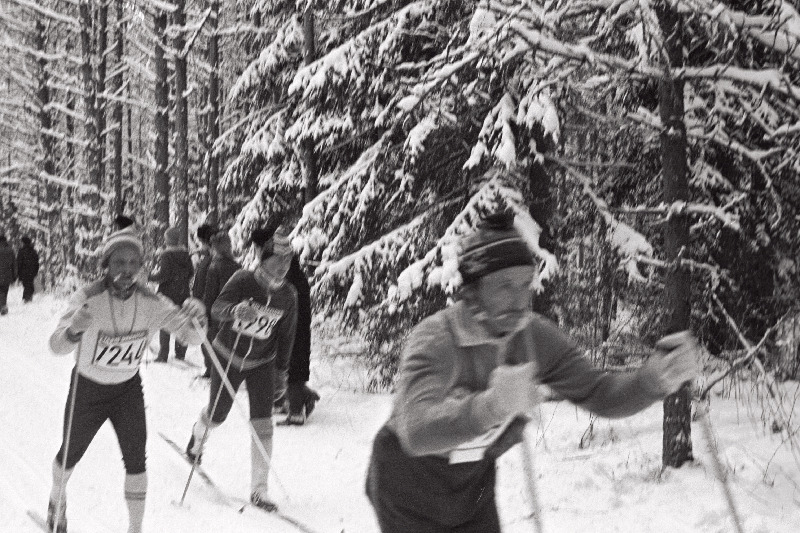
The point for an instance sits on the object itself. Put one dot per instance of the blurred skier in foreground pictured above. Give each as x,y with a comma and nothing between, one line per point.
476,366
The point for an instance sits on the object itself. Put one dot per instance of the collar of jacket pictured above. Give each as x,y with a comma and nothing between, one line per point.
468,330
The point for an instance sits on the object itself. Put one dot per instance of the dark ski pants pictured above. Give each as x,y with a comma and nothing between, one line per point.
3,295
122,404
163,350
27,290
426,494
260,390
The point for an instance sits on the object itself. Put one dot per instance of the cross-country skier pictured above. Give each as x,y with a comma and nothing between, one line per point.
108,325
257,315
470,367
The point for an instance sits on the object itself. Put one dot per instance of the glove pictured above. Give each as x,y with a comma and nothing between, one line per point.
281,380
679,362
80,322
194,308
245,312
513,390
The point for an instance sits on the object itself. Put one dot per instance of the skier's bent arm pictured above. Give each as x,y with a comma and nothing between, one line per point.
179,320
64,341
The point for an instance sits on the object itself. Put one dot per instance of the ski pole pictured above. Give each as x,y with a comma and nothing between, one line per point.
67,437
226,382
719,473
210,416
530,479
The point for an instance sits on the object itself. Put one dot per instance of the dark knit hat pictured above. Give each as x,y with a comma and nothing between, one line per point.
495,244
274,241
126,237
26,240
205,232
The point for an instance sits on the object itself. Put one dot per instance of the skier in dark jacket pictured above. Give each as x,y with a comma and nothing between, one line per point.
299,400
476,365
8,272
223,266
173,274
27,268
257,315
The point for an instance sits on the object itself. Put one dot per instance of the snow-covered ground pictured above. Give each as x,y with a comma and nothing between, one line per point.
610,485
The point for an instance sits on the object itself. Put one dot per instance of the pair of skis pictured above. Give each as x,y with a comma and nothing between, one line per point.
240,504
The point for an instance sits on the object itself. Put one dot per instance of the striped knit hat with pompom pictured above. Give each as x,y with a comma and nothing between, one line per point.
495,244
126,237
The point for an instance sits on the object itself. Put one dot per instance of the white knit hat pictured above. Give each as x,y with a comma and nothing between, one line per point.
121,239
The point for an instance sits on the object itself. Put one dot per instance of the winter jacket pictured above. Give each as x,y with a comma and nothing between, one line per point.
111,350
27,263
268,339
301,352
173,274
8,267
202,262
220,270
446,365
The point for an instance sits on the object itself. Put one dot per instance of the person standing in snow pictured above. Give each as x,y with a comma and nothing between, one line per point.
108,325
222,267
173,273
8,272
299,400
257,316
471,367
202,259
27,268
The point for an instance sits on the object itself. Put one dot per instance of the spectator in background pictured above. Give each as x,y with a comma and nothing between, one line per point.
202,259
27,268
173,274
220,270
8,272
299,400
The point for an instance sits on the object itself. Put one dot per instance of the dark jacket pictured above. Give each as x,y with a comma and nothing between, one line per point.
301,353
27,263
220,270
203,261
8,267
269,338
173,274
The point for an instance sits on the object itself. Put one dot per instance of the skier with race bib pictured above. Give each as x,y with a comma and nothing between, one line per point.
257,315
108,325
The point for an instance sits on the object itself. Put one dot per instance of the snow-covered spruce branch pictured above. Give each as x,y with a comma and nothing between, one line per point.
535,40
274,112
775,405
629,243
49,13
738,363
779,32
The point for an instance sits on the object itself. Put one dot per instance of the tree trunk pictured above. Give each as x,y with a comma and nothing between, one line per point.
100,87
161,186
677,437
47,164
307,148
119,37
213,117
180,185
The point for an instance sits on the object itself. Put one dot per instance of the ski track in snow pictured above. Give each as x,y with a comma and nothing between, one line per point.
611,486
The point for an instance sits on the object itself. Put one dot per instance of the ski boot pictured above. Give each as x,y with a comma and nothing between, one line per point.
261,501
191,454
59,524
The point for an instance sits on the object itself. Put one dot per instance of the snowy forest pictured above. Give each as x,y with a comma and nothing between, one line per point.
651,146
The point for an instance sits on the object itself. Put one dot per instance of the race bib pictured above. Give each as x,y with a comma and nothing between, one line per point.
261,328
119,352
